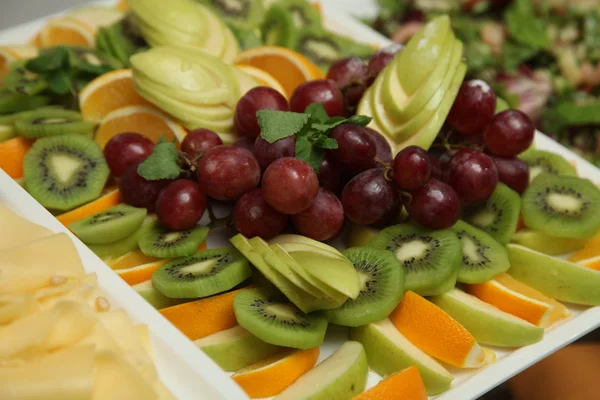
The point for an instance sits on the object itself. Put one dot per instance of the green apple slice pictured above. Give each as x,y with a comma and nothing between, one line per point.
343,375
543,243
245,81
235,348
290,247
291,238
388,351
365,108
154,297
486,323
554,277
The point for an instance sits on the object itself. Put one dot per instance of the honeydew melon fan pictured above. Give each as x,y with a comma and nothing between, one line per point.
323,217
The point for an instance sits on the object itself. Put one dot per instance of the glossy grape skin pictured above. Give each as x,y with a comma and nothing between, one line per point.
139,192
444,162
513,172
227,172
198,141
331,176
368,197
412,168
247,142
381,59
436,169
434,206
324,91
348,71
267,152
290,185
473,108
323,219
509,133
473,175
384,151
253,216
126,149
356,148
180,205
256,99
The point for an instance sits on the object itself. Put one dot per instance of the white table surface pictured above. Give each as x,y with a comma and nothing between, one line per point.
15,12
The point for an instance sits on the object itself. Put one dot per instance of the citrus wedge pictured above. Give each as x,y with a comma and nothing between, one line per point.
107,93
289,68
403,385
590,250
435,332
274,374
511,296
263,78
12,155
97,16
141,273
109,200
593,263
68,31
145,120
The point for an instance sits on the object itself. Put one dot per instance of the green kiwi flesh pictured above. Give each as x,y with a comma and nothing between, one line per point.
268,315
154,297
498,216
539,241
6,132
158,241
540,161
35,124
382,287
304,14
431,259
109,225
21,81
118,248
16,102
483,256
240,12
278,28
202,274
319,46
562,206
64,172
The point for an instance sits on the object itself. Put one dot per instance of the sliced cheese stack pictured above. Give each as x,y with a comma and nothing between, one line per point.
58,337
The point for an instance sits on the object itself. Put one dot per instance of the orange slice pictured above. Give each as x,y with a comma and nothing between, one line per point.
12,154
436,333
136,258
145,120
141,273
107,93
403,385
69,31
9,54
263,78
105,202
520,223
593,263
289,68
590,250
274,374
200,318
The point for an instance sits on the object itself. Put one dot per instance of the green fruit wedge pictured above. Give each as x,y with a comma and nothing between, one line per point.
388,351
554,277
486,323
154,297
361,235
543,243
291,238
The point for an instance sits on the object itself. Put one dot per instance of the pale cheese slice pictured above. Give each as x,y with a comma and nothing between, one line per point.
26,337
16,230
15,306
117,379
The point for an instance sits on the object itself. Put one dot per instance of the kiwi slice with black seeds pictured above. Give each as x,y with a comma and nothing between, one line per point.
483,256
304,14
16,102
278,28
319,46
202,274
52,122
382,287
109,225
562,206
64,172
241,12
498,216
20,80
431,259
540,161
268,315
158,241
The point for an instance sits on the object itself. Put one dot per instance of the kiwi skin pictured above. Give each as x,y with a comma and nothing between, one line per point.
109,225
158,241
51,122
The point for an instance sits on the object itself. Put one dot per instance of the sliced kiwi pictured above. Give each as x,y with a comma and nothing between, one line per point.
304,14
11,102
20,80
562,206
154,297
431,259
91,61
483,256
540,161
382,287
118,248
498,216
319,46
51,122
158,241
266,314
109,225
248,38
202,274
64,172
241,12
278,28
7,132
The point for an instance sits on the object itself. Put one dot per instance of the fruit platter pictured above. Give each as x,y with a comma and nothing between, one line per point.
294,206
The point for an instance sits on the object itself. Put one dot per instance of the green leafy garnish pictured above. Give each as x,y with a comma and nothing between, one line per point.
524,25
568,114
163,163
275,125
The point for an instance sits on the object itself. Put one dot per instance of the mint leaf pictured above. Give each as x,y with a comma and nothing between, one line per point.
524,25
317,112
312,155
361,120
49,60
326,143
275,125
59,82
163,163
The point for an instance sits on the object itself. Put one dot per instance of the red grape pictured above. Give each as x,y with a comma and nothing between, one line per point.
444,162
381,59
435,205
331,176
509,133
139,192
473,108
324,91
436,169
198,141
267,152
356,148
227,172
412,168
323,219
247,142
253,216
513,172
473,175
126,149
384,151
348,71
258,98
290,185
415,15
368,197
180,205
